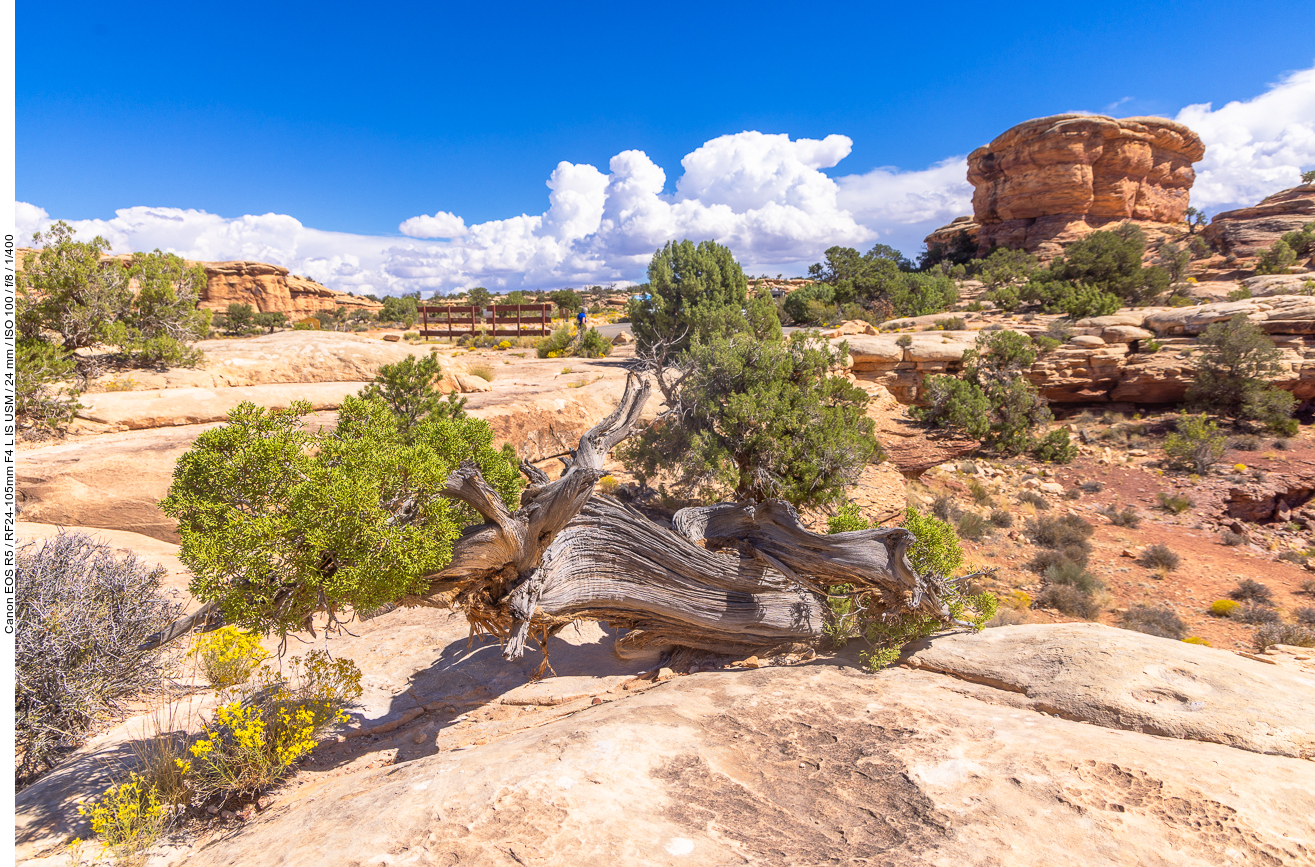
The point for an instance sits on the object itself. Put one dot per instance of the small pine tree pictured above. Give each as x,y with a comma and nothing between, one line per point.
1233,374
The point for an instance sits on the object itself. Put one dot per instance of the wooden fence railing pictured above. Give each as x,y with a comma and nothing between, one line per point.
496,320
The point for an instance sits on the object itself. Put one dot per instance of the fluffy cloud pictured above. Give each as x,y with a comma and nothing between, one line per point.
1254,148
441,225
765,196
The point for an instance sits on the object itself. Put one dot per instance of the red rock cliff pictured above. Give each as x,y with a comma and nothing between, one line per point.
1248,231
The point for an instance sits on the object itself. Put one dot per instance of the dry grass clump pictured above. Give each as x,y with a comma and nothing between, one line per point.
972,526
1160,557
483,371
1032,498
1158,620
981,496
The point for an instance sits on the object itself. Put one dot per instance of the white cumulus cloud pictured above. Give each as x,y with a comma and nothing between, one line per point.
1254,147
441,225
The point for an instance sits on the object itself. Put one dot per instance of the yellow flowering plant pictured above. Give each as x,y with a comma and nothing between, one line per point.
128,818
228,655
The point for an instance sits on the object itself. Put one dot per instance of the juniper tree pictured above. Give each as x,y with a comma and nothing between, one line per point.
753,419
1234,369
693,289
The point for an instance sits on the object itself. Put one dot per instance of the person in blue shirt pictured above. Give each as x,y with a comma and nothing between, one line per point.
579,319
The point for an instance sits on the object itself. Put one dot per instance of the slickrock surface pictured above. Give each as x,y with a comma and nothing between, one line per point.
1248,231
1021,746
1053,180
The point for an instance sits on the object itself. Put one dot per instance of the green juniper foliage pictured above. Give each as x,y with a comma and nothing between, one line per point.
277,522
1233,373
1095,277
992,401
692,288
754,419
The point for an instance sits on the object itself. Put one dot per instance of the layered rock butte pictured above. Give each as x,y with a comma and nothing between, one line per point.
267,288
1053,180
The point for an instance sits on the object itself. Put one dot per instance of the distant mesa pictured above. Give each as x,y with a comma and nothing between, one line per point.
1051,181
1248,231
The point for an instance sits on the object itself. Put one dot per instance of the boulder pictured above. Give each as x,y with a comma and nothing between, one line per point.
1248,231
1280,284
624,338
1124,334
1052,180
1087,341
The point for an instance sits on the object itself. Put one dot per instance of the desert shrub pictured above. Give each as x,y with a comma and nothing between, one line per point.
80,615
1308,586
991,401
45,393
1159,621
972,526
1032,498
406,388
1072,494
1017,599
937,550
557,344
953,323
1255,614
904,340
981,496
608,485
1060,531
1159,557
1293,634
253,742
1292,557
1071,574
1006,617
128,818
944,508
847,519
1104,265
1002,518
1092,487
228,656
277,522
1196,639
1125,517
1304,615
758,419
1232,539
1278,259
1174,503
1196,445
695,291
1248,590
1055,447
1233,376
1223,608
1044,343
593,345
1245,443
1068,600
1044,559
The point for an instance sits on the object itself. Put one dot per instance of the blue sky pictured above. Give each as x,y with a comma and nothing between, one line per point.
352,119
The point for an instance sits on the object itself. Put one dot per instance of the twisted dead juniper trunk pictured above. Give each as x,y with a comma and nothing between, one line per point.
730,577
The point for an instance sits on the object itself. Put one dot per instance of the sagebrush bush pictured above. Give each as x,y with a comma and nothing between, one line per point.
1174,503
972,526
228,656
1159,557
1248,590
1060,531
1125,517
1245,443
944,508
1292,557
1002,518
1071,574
1255,614
1068,600
1304,615
1232,539
1092,487
1157,620
1294,634
1308,586
81,614
593,345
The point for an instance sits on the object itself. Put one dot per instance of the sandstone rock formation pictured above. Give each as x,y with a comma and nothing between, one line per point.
1106,361
1248,231
273,289
1053,180
1021,745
